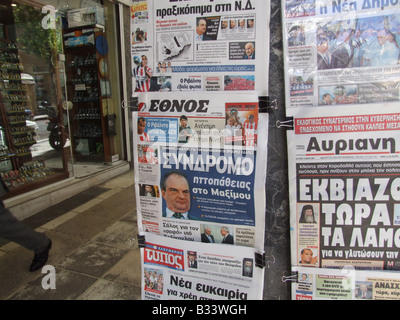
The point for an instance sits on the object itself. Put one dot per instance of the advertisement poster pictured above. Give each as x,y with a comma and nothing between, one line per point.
182,270
345,284
341,52
200,167
344,178
202,45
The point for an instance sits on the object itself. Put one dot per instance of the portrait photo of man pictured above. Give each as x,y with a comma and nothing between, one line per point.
207,237
141,127
307,214
201,28
192,259
227,238
249,49
247,267
307,257
176,193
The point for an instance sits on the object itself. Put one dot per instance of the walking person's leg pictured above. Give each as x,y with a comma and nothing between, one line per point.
14,230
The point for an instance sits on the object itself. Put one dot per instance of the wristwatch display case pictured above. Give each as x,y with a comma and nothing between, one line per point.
85,51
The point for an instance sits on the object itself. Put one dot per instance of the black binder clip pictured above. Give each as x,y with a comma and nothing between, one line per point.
141,240
259,259
293,278
288,123
134,104
265,105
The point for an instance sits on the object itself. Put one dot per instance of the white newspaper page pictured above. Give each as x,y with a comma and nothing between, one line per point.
345,284
182,270
345,187
201,166
341,52
202,45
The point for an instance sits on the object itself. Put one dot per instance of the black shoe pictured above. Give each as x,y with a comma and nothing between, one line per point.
40,259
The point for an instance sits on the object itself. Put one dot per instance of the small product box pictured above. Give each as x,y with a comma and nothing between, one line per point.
79,41
86,16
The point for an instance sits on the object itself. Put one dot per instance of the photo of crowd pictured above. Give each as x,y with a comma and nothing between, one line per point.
301,86
363,42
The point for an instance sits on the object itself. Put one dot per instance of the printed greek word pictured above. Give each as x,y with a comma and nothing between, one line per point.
179,106
341,145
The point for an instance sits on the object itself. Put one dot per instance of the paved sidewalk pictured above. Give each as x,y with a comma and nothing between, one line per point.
95,251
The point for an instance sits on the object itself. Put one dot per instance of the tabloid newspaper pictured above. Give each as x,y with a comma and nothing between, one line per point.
200,159
345,188
341,52
209,145
182,270
345,192
342,91
202,45
345,284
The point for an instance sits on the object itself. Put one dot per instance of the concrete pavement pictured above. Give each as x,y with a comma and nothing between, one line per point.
95,251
